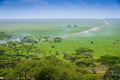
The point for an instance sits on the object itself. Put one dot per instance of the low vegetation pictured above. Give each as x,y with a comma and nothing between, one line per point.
40,56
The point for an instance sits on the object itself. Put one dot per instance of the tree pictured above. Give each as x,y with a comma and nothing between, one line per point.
2,50
57,39
87,53
4,35
28,39
75,25
28,49
46,38
113,73
84,61
47,73
68,26
37,51
13,43
94,77
109,60
4,72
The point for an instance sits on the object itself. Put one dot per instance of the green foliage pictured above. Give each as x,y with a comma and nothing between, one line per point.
4,72
28,39
45,69
15,68
57,39
84,51
94,77
60,71
4,49
72,57
80,53
109,59
8,62
46,38
84,61
47,73
4,35
13,43
113,73
82,57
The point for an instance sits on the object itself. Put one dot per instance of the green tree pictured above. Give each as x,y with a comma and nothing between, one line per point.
113,73
28,39
47,73
109,60
4,35
94,77
57,39
46,38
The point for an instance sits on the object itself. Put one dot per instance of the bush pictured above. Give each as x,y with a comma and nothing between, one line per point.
57,39
28,39
113,73
94,77
85,62
46,69
83,51
3,49
109,60
47,73
74,57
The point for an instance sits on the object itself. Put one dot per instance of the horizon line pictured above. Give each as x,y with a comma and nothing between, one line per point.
53,18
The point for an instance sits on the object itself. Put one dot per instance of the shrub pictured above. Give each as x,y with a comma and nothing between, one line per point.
85,62
47,73
57,39
83,51
113,73
94,77
109,60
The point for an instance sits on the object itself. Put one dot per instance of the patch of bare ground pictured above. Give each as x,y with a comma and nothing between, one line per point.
99,68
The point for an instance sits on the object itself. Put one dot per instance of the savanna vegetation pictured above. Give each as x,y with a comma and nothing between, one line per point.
44,56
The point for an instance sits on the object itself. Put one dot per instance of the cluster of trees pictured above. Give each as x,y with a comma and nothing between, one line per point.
82,57
109,60
19,61
113,73
48,67
15,67
113,64
4,35
71,26
49,39
13,41
21,50
28,39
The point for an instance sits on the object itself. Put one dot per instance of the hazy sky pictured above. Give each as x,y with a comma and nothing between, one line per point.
14,9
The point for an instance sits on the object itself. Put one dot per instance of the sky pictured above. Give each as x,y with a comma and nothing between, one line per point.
45,9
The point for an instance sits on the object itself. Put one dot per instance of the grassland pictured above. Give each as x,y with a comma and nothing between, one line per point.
87,49
51,28
103,38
